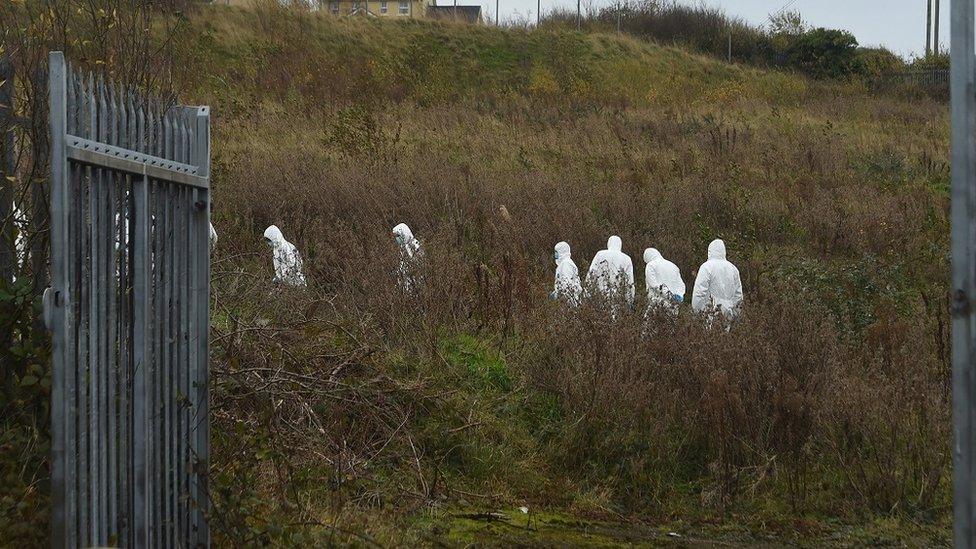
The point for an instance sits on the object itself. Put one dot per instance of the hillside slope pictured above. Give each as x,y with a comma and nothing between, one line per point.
324,59
356,412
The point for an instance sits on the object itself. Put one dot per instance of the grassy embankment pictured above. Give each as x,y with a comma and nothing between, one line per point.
354,412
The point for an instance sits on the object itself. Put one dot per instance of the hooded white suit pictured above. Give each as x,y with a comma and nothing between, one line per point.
410,252
287,262
567,285
213,237
662,279
612,272
125,232
20,242
718,284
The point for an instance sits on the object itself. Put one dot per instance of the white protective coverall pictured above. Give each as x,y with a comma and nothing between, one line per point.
567,285
718,284
20,241
663,280
410,251
213,237
287,262
612,271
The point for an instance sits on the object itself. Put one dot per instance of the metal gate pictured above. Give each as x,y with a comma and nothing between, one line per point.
128,308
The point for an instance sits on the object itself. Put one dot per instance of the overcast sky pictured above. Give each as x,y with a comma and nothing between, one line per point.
896,24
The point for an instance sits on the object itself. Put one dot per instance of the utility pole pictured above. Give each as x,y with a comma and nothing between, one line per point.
935,43
730,45
928,29
962,47
496,13
579,15
618,17
538,12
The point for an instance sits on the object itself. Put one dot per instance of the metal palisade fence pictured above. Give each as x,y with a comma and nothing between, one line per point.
925,78
128,309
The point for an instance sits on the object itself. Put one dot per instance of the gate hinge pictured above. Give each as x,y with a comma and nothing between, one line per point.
961,305
50,300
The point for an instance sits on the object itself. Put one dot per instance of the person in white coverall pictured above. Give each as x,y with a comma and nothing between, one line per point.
213,237
567,285
287,262
717,286
663,281
125,232
410,253
612,272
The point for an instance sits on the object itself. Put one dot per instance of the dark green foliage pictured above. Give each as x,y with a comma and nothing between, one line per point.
825,53
933,61
24,410
879,62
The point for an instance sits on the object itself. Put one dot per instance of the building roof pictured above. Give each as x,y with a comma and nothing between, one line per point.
471,14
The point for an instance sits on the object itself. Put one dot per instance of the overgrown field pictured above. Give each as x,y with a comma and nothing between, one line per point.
354,412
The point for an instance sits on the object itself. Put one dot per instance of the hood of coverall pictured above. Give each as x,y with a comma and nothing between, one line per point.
614,244
716,250
274,237
562,252
403,234
651,254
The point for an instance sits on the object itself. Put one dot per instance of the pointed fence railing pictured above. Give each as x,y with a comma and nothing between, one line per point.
128,310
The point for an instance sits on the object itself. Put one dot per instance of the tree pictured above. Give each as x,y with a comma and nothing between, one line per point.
788,23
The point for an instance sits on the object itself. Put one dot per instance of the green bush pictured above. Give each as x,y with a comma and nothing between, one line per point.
825,53
878,62
933,61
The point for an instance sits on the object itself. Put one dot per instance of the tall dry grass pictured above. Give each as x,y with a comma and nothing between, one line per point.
829,397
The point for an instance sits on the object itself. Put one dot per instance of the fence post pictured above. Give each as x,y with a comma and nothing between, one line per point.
58,300
963,111
141,359
200,370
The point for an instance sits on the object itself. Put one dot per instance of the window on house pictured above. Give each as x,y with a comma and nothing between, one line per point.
383,7
334,7
404,7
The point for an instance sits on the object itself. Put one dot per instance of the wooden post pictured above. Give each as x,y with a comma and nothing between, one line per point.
963,197
935,41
